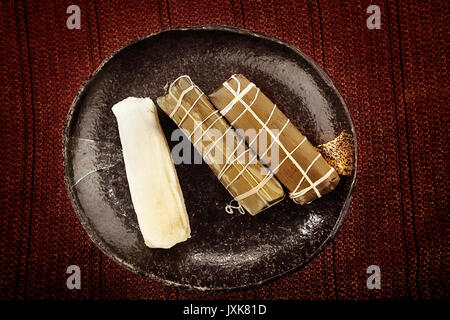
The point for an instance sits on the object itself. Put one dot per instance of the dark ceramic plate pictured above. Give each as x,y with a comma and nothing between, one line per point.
224,251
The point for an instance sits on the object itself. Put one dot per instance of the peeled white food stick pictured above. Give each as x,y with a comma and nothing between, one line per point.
154,187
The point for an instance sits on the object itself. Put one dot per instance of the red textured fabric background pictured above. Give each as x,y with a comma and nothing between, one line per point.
394,81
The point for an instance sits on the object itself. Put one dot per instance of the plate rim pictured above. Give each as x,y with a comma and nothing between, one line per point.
208,27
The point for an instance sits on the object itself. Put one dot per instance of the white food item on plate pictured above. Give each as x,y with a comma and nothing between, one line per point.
152,178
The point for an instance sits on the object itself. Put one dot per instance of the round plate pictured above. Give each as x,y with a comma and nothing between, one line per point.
224,251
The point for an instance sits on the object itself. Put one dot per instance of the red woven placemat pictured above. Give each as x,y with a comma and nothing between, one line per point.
394,81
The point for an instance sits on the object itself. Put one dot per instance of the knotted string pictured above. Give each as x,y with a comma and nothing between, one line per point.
229,208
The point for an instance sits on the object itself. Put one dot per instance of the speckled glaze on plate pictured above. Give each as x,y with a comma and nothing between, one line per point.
224,251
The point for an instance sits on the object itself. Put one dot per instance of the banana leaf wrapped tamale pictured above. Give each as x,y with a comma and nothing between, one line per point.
250,183
300,167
